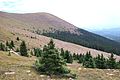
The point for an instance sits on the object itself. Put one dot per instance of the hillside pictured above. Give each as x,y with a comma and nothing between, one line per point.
113,33
16,67
52,26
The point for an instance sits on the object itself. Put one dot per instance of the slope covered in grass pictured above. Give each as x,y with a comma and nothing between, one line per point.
16,67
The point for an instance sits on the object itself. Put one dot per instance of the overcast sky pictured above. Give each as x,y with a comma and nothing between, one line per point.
87,14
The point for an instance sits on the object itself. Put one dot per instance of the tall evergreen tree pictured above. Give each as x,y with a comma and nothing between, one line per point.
111,62
51,62
7,43
62,53
12,43
17,39
38,52
88,61
70,59
2,47
23,49
74,56
81,58
100,62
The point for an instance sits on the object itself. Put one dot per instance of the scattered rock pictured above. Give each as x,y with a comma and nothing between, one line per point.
9,73
42,75
29,74
28,71
108,69
110,74
115,71
71,79
79,68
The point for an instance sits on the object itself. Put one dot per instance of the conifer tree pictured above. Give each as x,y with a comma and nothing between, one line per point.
74,56
51,62
12,44
88,61
81,58
2,47
62,53
18,39
38,52
70,59
111,62
7,43
100,62
23,49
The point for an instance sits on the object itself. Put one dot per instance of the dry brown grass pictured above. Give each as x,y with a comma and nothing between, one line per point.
21,68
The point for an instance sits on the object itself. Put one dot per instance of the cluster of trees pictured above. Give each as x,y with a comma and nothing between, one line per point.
87,39
50,62
10,45
97,62
67,56
85,59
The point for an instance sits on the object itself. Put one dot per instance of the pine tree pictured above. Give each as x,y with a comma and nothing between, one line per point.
81,58
111,62
38,52
62,53
70,59
100,62
74,56
89,61
12,44
23,49
2,47
7,43
17,39
51,62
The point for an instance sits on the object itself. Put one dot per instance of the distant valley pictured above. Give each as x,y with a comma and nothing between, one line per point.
113,34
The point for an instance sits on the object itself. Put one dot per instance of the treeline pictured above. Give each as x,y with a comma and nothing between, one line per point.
87,39
86,60
99,61
7,46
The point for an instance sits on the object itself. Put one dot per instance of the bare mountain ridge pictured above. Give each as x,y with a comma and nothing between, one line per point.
41,21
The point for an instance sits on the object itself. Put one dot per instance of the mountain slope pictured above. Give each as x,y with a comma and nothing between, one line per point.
113,33
52,26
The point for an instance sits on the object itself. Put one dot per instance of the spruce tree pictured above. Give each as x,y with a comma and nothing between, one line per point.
74,56
17,39
70,59
2,47
7,43
62,53
12,44
81,58
38,52
100,62
23,49
111,62
89,61
51,62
